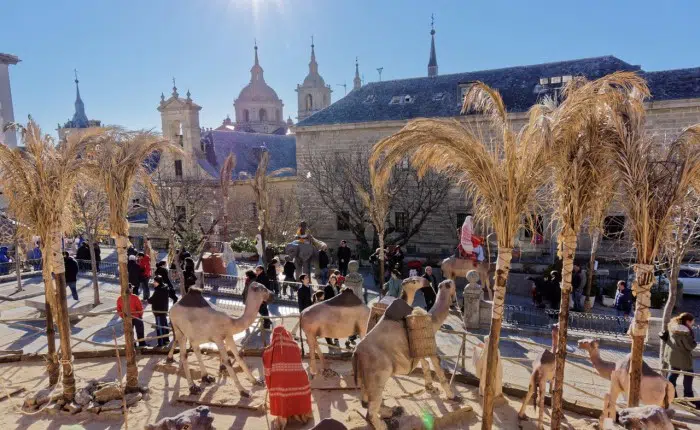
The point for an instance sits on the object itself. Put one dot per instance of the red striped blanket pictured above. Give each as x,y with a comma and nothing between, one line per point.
287,382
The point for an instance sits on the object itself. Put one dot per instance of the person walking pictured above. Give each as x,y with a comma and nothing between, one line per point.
430,291
261,278
622,304
134,271
162,271
83,256
288,270
343,257
98,255
190,275
136,308
323,266
393,286
272,277
145,265
304,293
680,343
159,306
71,274
577,288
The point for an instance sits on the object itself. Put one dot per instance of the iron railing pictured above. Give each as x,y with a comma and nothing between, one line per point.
530,316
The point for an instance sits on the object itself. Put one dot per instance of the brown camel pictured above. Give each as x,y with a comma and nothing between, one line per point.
342,316
195,319
453,267
385,353
603,367
542,371
654,389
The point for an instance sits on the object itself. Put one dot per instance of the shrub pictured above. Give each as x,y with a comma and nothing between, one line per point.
243,244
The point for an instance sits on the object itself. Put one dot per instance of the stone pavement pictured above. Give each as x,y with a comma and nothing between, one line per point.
103,328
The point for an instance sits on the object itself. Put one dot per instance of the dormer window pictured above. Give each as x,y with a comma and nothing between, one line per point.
401,99
439,96
463,90
370,99
544,81
555,80
395,100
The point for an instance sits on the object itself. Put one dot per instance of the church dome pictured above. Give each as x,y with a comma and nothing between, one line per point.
258,91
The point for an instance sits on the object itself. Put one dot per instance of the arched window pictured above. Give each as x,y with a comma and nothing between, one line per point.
246,115
309,102
262,115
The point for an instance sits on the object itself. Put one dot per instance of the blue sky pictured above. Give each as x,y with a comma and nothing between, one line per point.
127,51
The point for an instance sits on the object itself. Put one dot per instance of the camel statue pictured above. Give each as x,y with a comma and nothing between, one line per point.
654,389
542,371
604,368
193,318
479,361
342,316
453,267
384,352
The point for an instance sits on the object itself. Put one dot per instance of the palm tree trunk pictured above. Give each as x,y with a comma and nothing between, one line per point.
381,264
502,269
640,326
178,268
93,261
588,305
132,371
59,274
668,308
569,251
18,265
264,246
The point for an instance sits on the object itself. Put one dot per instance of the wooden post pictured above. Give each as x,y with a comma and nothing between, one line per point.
132,371
464,352
59,275
569,246
502,270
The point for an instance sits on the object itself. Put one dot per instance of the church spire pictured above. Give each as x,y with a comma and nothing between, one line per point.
432,63
80,119
313,65
256,72
357,82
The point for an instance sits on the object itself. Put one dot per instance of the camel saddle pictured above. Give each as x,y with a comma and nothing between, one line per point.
346,298
194,299
398,310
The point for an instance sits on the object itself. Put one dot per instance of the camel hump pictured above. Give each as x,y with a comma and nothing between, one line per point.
346,298
398,310
194,299
547,357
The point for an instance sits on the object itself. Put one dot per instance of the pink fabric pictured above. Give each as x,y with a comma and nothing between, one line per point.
466,235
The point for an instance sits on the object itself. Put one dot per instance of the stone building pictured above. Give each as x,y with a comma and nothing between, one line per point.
7,113
80,120
379,109
313,95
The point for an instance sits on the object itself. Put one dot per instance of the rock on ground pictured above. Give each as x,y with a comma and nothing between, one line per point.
198,418
112,405
107,393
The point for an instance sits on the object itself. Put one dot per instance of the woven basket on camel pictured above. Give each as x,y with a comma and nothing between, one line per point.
421,339
376,314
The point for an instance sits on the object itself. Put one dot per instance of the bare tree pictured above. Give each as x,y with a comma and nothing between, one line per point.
415,198
684,234
91,208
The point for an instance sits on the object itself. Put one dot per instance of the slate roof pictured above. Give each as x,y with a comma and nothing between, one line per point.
440,96
217,144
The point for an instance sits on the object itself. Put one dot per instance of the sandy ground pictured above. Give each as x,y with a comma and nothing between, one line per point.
406,391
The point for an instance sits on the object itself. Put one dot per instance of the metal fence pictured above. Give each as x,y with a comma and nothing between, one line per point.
530,316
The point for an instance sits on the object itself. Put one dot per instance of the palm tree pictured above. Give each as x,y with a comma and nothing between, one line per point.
580,166
40,178
654,181
259,183
117,162
225,186
502,176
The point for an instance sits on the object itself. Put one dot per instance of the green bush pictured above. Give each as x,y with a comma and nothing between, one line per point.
243,244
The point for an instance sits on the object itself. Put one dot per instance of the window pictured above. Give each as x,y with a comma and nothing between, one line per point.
463,90
309,102
614,227
395,100
178,168
262,115
439,96
278,115
246,115
343,221
401,221
370,99
180,213
402,99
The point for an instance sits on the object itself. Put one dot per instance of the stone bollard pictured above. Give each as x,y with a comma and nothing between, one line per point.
655,326
473,295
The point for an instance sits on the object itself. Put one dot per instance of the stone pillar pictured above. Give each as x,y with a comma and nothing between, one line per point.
473,295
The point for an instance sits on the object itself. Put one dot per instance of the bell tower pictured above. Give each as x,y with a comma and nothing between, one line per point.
180,124
313,95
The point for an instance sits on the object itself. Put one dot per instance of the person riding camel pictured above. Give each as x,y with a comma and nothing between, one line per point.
303,235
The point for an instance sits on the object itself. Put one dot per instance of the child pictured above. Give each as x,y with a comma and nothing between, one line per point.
159,306
136,314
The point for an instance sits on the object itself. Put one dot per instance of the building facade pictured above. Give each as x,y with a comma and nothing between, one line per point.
7,114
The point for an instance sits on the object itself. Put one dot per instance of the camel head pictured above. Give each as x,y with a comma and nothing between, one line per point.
258,290
411,285
555,336
448,289
589,345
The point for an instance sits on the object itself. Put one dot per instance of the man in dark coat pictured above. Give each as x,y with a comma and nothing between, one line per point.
344,255
323,266
261,278
304,293
71,274
83,256
429,291
98,255
134,271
